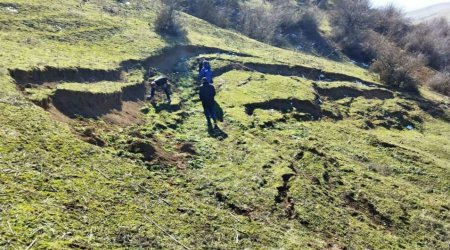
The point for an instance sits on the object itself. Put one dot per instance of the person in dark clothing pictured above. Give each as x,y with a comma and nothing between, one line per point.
160,82
206,72
207,94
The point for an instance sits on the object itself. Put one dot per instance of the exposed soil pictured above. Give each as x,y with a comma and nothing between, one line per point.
368,208
188,148
117,106
283,190
129,114
85,104
235,208
91,137
286,105
337,93
134,93
283,197
51,74
146,149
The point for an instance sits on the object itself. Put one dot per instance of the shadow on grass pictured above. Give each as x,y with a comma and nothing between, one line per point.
219,112
438,110
177,38
159,107
217,133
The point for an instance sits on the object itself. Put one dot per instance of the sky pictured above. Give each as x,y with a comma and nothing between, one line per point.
408,5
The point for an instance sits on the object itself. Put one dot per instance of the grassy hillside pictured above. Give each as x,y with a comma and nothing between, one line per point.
310,153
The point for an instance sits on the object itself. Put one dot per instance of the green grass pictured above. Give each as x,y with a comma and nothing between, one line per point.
290,58
338,84
39,94
350,186
248,166
239,88
99,87
246,87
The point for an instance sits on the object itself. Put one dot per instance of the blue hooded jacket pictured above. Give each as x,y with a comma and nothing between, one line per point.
206,72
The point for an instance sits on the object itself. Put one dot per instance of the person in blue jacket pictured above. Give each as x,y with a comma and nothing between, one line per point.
206,72
207,94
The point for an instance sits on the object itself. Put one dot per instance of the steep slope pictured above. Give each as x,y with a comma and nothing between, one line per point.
311,153
435,11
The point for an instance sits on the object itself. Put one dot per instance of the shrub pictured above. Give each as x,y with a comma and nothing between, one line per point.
288,12
269,21
431,39
259,22
222,13
395,67
399,50
205,9
391,22
166,22
440,82
353,19
309,21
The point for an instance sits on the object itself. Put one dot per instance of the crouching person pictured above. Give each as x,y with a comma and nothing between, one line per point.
160,82
207,94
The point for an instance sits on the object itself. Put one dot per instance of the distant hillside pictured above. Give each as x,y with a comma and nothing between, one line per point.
438,10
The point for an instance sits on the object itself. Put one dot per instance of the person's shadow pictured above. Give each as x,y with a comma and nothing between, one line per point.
216,131
219,112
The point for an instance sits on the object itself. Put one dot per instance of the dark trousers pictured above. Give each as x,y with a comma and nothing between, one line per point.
210,111
165,88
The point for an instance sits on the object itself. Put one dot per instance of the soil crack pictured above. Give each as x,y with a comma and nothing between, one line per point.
283,197
285,106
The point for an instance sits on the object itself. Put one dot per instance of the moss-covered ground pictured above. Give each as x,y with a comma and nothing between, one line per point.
374,175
